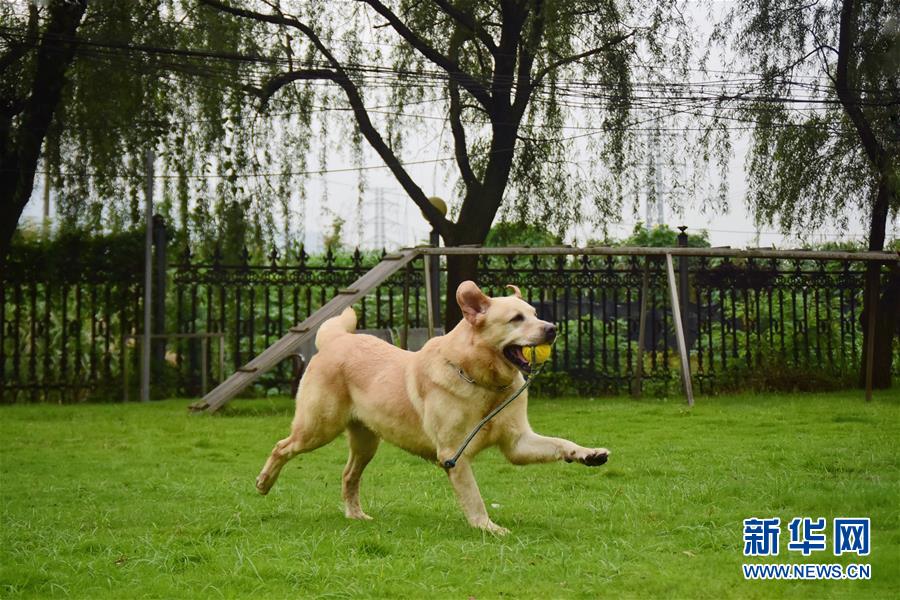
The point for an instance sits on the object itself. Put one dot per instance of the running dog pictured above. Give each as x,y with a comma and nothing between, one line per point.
427,401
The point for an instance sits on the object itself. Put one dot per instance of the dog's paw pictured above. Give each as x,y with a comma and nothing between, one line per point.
493,528
263,485
595,457
592,457
357,514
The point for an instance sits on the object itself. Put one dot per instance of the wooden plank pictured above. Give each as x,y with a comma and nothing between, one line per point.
291,342
404,333
679,333
429,292
888,257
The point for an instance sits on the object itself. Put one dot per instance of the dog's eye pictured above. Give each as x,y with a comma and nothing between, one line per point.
518,317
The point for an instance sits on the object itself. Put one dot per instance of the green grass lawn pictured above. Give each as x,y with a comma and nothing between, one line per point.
127,501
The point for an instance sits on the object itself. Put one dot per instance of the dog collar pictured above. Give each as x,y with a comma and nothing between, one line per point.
462,375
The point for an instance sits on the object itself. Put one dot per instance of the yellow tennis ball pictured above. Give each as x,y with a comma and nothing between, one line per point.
540,353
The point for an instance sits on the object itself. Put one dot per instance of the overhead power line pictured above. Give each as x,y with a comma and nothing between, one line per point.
283,173
573,88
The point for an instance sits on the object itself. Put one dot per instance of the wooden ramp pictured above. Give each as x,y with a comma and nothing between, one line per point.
296,335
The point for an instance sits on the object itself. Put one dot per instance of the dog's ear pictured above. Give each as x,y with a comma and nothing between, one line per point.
472,301
516,291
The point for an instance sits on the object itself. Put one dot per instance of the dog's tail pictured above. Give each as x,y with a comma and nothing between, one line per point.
335,326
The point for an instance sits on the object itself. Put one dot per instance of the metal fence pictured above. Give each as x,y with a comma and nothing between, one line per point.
740,319
61,336
254,305
68,338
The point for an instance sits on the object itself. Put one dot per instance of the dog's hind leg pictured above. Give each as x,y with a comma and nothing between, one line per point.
321,416
363,444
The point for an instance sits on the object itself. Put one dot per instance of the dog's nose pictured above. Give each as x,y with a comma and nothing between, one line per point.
549,333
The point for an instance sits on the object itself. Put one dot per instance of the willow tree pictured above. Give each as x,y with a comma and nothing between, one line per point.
498,70
27,104
86,88
826,132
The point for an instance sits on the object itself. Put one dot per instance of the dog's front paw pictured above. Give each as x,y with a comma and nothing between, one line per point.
592,457
595,457
493,528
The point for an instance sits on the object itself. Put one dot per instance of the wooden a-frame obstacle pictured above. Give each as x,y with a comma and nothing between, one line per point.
297,335
391,263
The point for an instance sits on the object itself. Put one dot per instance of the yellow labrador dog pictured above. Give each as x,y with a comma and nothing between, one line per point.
427,401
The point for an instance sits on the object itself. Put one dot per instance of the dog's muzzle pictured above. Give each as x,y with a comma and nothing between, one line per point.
549,333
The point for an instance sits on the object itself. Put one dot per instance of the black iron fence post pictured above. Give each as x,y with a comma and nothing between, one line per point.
158,291
683,278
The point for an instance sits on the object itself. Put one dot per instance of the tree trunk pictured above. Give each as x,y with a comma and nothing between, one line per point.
459,269
19,157
479,209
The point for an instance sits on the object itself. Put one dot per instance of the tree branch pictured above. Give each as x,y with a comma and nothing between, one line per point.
341,78
276,20
18,49
279,81
849,98
468,21
470,83
525,84
503,76
437,220
456,127
539,76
